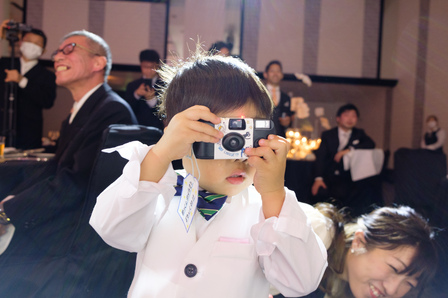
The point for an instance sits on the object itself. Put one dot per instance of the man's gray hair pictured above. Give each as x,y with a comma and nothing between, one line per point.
98,45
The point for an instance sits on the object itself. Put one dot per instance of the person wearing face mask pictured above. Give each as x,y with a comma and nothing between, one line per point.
36,89
53,252
434,137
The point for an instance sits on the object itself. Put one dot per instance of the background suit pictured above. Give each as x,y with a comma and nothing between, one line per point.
47,208
339,182
284,107
144,113
39,93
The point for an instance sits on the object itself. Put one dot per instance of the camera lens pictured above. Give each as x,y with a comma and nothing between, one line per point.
233,142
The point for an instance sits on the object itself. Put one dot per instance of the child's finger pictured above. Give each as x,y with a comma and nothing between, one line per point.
207,132
278,144
201,113
260,152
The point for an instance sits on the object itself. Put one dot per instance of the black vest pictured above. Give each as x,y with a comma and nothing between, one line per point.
431,138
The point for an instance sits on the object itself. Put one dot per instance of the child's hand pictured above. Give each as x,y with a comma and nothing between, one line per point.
270,162
183,130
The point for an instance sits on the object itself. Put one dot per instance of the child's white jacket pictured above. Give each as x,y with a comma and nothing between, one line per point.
236,254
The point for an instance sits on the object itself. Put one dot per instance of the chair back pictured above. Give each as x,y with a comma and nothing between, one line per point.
103,270
109,166
418,174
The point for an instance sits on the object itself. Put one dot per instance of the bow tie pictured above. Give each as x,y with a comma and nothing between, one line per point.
208,203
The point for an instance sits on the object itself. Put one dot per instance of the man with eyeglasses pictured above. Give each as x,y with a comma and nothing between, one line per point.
54,252
36,90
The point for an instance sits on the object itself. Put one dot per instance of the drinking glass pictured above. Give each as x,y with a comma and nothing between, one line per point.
2,146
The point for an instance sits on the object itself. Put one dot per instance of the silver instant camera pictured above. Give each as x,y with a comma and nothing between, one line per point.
239,134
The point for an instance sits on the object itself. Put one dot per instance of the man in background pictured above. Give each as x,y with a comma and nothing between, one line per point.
142,94
221,48
331,180
36,90
53,251
282,115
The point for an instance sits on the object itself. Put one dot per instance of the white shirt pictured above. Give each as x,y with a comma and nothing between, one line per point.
344,137
24,68
78,104
237,254
277,92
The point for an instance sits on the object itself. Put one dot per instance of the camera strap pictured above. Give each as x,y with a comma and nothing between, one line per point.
188,190
193,164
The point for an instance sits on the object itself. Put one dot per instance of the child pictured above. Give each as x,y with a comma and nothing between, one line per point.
259,236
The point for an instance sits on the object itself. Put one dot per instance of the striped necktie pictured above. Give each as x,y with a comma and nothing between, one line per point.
208,203
274,96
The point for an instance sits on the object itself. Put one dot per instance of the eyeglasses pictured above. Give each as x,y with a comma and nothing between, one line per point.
69,48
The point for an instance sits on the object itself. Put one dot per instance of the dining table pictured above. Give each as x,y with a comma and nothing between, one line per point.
17,165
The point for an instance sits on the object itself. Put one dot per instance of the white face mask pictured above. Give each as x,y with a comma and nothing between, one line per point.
30,50
432,124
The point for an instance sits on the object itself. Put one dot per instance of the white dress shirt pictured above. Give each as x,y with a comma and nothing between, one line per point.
277,92
25,66
78,104
344,137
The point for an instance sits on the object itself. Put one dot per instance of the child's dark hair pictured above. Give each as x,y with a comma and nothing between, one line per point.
222,84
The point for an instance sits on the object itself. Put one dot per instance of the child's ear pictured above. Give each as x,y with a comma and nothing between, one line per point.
265,75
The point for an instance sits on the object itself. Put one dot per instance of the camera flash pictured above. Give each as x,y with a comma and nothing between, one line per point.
263,124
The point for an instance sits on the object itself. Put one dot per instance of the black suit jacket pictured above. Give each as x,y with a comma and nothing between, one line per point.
39,94
284,107
325,166
47,208
144,113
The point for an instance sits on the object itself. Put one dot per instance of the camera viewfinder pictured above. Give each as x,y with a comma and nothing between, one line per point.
237,124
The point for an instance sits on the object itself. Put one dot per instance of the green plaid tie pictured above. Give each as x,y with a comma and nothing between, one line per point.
208,203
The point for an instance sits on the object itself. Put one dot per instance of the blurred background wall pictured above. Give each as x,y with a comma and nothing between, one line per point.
386,56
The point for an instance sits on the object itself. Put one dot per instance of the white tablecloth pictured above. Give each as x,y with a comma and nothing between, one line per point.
364,163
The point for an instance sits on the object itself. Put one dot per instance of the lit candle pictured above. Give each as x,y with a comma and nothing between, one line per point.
290,134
